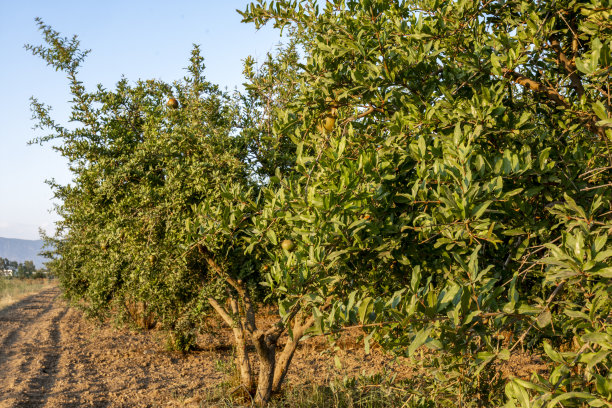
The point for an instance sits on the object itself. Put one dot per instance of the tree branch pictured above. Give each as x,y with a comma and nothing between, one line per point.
590,119
569,66
236,284
222,312
548,302
551,93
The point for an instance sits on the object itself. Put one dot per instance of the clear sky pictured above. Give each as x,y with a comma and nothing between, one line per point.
135,38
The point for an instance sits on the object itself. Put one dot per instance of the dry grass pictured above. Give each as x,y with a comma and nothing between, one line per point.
13,290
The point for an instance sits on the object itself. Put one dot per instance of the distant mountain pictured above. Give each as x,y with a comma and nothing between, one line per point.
21,250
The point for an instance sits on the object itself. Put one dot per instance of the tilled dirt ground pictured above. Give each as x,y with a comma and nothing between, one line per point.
51,356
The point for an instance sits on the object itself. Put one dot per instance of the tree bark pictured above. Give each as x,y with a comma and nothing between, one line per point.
242,360
284,360
242,356
266,352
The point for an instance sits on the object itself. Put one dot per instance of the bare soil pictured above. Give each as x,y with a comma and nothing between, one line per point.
52,356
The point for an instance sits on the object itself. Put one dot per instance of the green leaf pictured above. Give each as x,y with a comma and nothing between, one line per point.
272,237
604,273
574,314
337,363
596,46
341,146
602,339
366,343
599,242
544,318
583,67
597,358
422,146
364,308
483,359
599,110
603,255
480,209
554,355
420,339
504,354
571,395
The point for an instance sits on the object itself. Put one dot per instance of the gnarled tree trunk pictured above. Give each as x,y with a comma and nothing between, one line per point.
265,345
242,321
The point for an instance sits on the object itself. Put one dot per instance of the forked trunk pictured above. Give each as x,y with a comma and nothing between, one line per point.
271,376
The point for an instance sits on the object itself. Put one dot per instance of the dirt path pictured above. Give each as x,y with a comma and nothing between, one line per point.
51,356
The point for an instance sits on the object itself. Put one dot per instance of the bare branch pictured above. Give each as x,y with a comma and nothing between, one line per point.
365,113
222,312
596,187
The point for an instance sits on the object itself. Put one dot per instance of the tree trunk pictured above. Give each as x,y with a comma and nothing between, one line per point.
242,356
284,360
242,359
282,365
266,351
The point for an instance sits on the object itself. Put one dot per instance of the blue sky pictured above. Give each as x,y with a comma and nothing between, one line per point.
138,39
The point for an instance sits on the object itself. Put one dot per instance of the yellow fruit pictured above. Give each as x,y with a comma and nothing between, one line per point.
287,245
152,258
328,123
172,103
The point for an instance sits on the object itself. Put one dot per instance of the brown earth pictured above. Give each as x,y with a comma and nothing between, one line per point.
51,356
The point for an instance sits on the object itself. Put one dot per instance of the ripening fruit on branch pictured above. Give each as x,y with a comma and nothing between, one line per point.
327,124
287,245
172,103
329,121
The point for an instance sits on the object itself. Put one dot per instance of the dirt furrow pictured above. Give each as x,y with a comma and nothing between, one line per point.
51,356
43,374
79,382
30,350
17,316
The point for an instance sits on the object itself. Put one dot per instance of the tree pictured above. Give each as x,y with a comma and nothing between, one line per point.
140,169
29,267
469,139
154,223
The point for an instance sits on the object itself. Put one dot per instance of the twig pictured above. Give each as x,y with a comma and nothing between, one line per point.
564,376
245,389
596,187
596,171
